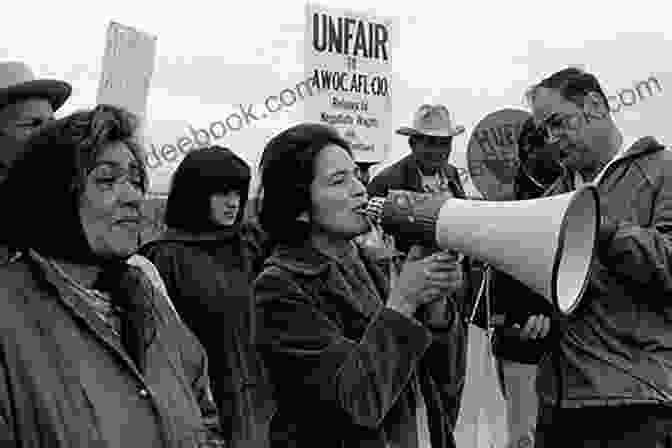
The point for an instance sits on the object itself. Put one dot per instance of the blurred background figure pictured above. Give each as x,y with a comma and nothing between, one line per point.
93,353
208,258
520,341
26,104
426,169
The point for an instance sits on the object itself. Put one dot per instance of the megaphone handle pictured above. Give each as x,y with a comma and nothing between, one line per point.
483,291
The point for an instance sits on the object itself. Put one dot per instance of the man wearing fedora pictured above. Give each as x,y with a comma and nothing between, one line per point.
26,104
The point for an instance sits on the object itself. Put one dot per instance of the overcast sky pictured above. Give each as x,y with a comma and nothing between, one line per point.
474,56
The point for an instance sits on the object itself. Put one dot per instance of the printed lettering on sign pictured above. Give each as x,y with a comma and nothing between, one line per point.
348,55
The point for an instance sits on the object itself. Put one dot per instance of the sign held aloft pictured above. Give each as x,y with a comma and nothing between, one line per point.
128,66
492,153
348,56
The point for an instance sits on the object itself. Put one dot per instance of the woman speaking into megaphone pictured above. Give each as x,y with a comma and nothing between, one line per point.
352,359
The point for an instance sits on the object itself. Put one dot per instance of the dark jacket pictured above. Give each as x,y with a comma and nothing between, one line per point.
616,348
67,382
209,280
342,368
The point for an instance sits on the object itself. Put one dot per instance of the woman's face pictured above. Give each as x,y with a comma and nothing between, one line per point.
224,207
337,195
110,206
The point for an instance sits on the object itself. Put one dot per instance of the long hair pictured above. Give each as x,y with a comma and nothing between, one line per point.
287,170
203,173
45,184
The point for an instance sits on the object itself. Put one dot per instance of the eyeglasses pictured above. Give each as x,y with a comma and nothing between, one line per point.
557,124
107,175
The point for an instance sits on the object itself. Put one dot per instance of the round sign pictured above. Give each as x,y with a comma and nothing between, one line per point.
492,153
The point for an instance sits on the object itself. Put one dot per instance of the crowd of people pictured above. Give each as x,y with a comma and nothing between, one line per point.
303,324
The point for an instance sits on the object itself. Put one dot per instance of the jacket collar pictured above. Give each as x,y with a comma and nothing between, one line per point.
412,174
642,146
302,260
186,237
305,260
71,299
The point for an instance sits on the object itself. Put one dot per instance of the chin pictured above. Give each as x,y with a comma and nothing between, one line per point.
123,249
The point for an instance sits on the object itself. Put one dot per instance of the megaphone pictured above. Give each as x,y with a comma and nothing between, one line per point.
548,243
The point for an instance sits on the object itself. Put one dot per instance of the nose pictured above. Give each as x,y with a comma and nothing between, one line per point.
358,188
130,194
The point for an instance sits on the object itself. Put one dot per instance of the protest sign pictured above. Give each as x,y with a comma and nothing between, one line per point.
128,65
492,153
348,54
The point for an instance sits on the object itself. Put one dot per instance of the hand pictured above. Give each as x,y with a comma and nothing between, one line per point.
378,245
425,280
537,327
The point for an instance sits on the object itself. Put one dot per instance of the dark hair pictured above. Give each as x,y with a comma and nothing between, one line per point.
538,165
46,182
203,173
287,170
531,138
573,84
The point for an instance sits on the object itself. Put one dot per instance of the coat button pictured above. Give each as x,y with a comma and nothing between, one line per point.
144,393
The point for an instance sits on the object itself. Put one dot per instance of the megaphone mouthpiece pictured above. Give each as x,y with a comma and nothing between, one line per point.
408,213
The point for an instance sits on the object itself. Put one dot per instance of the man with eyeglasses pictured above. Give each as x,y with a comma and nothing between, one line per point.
607,377
26,104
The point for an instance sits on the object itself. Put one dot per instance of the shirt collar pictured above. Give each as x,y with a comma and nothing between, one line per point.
626,143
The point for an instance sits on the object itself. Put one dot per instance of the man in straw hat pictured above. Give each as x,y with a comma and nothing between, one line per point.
427,170
26,104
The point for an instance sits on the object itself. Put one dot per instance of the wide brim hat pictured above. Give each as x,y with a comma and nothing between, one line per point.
433,121
17,82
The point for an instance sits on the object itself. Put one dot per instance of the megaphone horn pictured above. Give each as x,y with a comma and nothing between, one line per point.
548,243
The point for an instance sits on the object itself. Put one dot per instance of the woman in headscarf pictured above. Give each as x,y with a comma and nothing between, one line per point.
355,361
93,354
208,259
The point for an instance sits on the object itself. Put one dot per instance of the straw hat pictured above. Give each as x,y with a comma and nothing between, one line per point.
433,121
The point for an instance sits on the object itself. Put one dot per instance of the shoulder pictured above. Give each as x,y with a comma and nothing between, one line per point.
18,282
162,249
393,170
288,272
656,164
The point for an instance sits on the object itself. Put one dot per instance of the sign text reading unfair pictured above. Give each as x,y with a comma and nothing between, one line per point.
348,54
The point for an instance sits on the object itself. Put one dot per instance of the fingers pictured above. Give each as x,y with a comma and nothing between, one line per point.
414,253
536,327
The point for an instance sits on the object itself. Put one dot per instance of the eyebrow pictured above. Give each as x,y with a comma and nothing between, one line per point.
114,164
341,172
